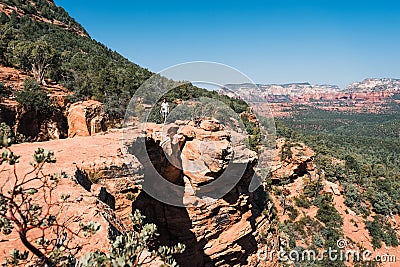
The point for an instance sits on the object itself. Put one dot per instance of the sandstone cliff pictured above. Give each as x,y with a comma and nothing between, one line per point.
82,118
108,184
218,232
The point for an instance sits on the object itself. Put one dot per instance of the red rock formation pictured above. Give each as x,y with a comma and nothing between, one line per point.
35,127
85,118
225,232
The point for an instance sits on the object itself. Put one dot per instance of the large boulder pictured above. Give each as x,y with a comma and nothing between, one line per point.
85,118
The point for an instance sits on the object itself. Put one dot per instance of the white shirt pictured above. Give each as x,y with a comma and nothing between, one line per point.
164,107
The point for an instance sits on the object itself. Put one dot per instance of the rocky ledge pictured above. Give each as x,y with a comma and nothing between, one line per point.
224,231
217,232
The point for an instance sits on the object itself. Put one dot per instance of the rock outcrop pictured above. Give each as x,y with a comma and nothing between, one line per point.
217,232
33,126
227,231
298,161
85,118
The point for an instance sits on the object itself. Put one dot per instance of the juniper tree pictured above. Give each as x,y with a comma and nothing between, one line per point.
29,204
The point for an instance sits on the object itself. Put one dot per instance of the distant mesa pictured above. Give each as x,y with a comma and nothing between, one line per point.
290,89
374,85
376,95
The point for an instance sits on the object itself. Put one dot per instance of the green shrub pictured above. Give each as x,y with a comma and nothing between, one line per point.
34,98
286,151
327,212
318,241
351,195
302,202
7,136
254,133
130,196
382,231
127,248
293,213
382,203
5,91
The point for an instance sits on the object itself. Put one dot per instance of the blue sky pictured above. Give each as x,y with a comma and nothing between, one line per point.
280,41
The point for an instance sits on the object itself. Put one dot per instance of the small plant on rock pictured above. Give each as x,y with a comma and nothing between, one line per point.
30,208
133,248
8,137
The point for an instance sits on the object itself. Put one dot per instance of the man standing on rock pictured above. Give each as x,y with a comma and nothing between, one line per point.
164,109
